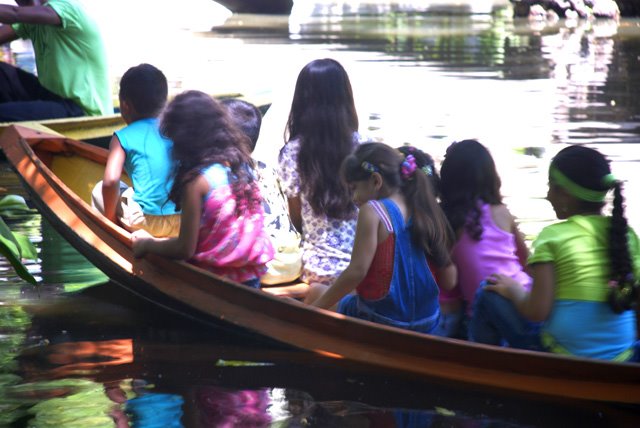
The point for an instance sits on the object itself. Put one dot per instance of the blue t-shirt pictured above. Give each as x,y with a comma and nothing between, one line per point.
149,165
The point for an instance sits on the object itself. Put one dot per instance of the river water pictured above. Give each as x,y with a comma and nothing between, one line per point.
79,351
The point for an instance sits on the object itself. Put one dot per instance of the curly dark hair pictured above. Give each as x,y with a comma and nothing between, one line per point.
203,134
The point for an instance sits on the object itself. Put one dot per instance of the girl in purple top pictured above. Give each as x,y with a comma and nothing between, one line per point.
488,240
221,226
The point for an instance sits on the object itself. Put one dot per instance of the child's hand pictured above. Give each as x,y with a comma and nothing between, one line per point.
139,240
504,285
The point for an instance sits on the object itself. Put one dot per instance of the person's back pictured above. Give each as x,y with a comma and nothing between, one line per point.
145,155
488,240
322,131
148,164
287,261
584,268
222,227
71,57
581,322
226,240
494,252
402,291
400,229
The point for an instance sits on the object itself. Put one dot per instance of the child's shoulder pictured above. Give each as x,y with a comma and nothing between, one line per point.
144,123
578,224
502,217
139,130
290,150
216,174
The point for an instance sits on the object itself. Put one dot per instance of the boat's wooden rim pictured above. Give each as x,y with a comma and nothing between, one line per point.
291,322
102,127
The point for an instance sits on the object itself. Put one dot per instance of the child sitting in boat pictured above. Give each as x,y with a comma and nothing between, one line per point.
400,229
222,217
287,260
322,131
487,236
144,154
584,268
445,278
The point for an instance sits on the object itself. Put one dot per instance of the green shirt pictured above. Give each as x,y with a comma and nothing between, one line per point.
579,251
71,58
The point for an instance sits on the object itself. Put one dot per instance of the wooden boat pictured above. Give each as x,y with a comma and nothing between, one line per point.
59,174
284,7
628,8
271,7
98,130
95,129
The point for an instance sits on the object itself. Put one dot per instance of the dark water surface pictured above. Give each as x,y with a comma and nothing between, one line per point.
80,351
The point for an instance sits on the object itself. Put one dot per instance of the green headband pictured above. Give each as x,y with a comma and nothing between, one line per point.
577,190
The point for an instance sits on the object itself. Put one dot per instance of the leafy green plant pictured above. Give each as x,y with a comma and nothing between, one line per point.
13,246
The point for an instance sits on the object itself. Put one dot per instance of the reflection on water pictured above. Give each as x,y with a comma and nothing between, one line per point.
100,363
76,354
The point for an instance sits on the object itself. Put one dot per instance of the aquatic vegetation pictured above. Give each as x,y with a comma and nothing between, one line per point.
14,246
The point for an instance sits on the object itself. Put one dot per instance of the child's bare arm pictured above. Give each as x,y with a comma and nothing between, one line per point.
45,15
447,276
507,222
364,249
522,251
535,305
111,179
7,34
184,246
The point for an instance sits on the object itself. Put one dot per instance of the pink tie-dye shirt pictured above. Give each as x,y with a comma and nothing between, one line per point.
236,247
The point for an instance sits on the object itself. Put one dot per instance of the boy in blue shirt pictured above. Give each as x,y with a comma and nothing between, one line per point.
144,154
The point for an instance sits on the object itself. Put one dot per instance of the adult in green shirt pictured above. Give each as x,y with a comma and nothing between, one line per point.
70,59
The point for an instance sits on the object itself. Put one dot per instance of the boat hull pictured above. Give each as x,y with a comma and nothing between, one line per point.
203,295
265,7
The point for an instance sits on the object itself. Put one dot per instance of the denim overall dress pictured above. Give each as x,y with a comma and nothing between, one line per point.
405,293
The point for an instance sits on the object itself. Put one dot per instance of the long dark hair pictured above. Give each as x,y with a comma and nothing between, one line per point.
203,134
430,229
323,117
468,177
588,168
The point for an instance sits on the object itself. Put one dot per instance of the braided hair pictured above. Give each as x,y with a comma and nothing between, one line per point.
589,169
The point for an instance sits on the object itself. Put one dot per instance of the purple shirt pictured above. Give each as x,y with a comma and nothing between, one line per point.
495,252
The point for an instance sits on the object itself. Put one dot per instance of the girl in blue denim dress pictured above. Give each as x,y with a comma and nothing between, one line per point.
400,229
